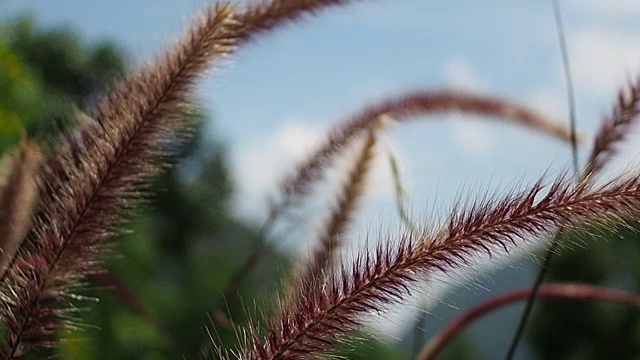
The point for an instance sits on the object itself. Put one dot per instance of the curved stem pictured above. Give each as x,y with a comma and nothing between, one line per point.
534,293
570,291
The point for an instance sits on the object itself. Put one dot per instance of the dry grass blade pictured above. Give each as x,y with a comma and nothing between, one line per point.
400,193
615,127
310,326
95,175
128,297
18,197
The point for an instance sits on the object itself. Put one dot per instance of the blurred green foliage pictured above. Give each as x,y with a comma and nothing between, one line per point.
585,329
44,77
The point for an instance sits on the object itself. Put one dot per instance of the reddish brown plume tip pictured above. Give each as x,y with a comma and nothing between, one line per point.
18,195
331,237
265,16
615,127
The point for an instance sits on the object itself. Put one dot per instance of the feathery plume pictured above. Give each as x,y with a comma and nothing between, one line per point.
411,104
268,15
18,197
95,175
342,213
615,127
327,311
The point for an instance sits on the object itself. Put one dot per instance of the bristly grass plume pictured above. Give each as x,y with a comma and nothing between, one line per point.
402,108
312,325
615,127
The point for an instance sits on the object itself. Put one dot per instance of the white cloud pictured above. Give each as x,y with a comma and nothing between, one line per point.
472,136
548,102
259,165
603,59
615,7
459,74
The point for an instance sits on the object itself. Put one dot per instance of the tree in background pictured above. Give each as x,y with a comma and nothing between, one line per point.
45,75
592,330
170,272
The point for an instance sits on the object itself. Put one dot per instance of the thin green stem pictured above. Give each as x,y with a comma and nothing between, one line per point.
576,169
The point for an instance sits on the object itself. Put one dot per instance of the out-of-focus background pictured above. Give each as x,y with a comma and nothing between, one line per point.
274,101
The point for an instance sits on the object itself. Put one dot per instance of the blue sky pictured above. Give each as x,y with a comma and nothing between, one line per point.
277,97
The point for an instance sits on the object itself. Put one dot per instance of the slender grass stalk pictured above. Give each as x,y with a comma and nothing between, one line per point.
265,16
567,291
564,51
613,131
400,193
373,282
